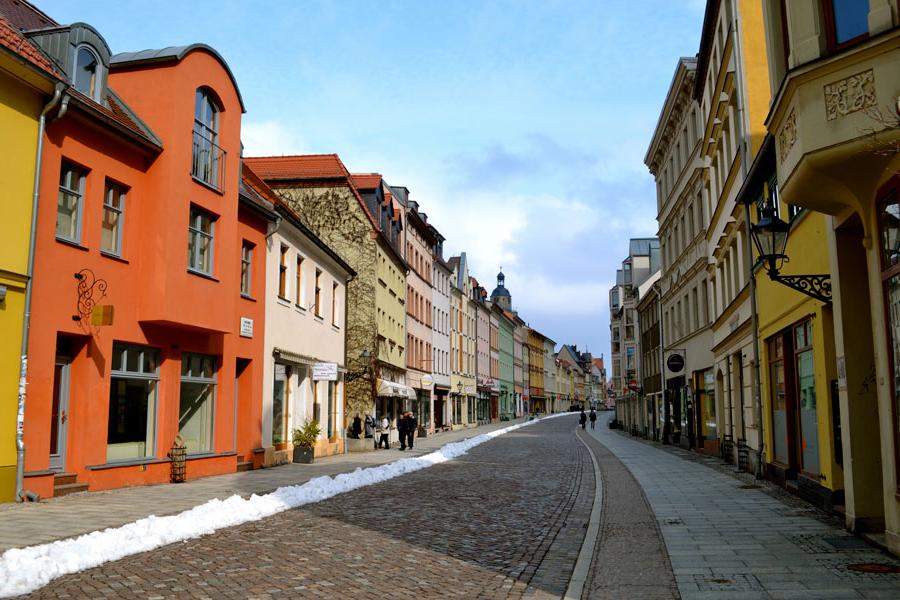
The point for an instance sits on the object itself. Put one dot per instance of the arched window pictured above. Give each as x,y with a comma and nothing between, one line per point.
207,154
87,72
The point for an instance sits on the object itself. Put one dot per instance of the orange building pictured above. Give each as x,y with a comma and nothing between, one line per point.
145,326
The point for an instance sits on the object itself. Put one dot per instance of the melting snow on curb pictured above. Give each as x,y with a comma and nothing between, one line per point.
24,570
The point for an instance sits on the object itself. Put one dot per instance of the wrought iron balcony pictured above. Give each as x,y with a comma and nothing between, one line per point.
208,162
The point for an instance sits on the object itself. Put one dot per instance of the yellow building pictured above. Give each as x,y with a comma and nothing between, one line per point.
536,371
796,345
26,84
732,90
834,120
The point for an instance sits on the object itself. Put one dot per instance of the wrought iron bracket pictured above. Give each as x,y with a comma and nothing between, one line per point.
815,286
354,375
90,290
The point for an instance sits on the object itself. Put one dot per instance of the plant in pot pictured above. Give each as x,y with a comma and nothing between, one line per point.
304,439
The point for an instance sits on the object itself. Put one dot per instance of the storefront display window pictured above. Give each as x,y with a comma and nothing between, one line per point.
279,404
197,402
131,433
779,400
806,397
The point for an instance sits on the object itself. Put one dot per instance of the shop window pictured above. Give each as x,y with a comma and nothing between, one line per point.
779,400
889,225
201,232
197,402
280,403
846,22
134,378
113,219
70,202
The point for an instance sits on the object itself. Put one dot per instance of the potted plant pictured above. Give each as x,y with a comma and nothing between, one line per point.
304,439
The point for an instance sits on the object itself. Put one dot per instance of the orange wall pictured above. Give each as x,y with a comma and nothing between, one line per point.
157,302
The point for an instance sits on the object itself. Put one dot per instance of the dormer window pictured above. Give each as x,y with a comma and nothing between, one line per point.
87,72
208,157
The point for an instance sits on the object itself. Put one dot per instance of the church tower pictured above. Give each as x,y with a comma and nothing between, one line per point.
500,296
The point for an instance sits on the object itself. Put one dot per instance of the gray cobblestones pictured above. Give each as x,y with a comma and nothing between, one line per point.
505,521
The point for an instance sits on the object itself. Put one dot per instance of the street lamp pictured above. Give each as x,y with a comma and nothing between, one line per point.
364,357
770,237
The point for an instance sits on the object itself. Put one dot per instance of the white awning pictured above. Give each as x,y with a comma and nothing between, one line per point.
395,390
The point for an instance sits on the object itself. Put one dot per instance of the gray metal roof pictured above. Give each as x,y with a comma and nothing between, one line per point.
176,54
642,246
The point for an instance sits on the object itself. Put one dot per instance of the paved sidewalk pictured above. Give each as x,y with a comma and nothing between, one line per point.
726,539
59,518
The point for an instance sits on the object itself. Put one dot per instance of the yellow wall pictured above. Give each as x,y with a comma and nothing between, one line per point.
390,300
20,106
780,307
756,71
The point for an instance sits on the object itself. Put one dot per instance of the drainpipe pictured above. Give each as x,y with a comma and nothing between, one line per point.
21,493
757,385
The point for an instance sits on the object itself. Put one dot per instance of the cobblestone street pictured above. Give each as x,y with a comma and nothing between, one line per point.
508,520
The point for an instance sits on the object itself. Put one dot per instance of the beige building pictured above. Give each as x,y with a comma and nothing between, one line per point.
305,325
835,81
683,215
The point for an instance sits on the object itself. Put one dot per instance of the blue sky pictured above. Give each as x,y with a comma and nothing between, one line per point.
519,127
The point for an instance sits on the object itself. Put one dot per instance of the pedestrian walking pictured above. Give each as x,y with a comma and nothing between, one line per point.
370,426
384,433
411,427
593,417
356,428
401,430
582,418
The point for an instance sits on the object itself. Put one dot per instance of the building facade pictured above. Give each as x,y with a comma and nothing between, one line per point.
732,90
834,79
305,300
537,397
28,81
440,303
420,315
462,345
684,216
363,226
135,215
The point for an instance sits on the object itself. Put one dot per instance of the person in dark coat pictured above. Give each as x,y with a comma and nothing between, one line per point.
356,428
401,430
370,426
593,417
411,427
582,418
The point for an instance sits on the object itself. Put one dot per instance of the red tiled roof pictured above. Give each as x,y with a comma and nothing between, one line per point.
13,40
310,166
366,181
24,15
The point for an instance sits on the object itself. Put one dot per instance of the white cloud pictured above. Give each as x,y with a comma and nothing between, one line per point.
270,138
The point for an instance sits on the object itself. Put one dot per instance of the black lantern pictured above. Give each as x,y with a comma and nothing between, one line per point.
459,388
770,236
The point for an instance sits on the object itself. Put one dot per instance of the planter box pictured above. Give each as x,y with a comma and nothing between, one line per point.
303,455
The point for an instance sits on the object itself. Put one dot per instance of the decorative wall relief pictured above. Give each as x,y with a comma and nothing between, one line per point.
849,95
787,137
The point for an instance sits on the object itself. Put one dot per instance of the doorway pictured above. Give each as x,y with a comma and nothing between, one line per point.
59,413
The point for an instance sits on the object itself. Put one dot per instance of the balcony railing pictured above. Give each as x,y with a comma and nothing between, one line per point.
208,162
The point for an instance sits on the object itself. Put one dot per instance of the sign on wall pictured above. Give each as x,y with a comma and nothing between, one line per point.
325,372
675,362
246,327
427,380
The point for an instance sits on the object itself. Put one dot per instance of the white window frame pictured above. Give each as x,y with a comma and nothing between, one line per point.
79,195
98,82
113,187
195,231
247,259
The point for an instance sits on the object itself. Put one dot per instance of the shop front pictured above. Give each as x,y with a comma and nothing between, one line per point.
392,400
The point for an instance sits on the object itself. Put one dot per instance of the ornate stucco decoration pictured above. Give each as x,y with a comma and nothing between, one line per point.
788,135
849,95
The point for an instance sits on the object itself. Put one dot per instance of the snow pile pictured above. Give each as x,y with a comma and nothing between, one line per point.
24,570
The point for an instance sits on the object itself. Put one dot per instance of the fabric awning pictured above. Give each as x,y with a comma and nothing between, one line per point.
395,390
